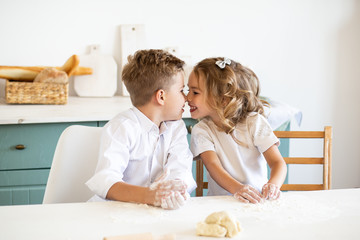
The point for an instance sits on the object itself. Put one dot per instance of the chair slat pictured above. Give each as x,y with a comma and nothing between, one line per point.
299,134
302,187
302,160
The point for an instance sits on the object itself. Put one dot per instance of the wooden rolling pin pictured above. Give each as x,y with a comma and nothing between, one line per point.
28,74
142,236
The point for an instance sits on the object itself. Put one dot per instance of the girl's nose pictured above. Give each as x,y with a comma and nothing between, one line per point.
185,97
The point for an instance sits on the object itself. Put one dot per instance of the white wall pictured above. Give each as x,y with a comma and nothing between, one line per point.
305,52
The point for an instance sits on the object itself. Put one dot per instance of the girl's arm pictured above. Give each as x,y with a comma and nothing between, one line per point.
277,165
226,181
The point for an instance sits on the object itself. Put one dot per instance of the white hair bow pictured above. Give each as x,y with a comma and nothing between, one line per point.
222,64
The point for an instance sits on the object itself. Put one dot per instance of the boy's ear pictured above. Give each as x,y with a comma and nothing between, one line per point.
160,96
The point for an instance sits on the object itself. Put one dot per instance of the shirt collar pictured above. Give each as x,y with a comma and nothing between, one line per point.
147,125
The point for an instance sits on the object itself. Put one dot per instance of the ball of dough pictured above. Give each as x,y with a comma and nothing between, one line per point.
226,220
210,230
216,223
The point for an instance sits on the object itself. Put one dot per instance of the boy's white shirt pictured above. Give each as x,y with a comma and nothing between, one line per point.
134,150
246,165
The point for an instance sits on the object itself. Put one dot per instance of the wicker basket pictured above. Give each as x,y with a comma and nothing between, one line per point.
36,92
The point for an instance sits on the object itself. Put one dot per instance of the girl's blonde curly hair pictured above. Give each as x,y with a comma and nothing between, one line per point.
232,91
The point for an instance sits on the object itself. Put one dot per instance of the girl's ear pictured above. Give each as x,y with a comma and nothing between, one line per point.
160,96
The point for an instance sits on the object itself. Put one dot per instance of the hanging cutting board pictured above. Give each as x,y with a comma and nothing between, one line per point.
103,81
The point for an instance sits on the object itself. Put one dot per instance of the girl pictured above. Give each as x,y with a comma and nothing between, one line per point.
233,138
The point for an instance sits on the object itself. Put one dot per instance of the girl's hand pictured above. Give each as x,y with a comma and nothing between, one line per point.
247,194
270,191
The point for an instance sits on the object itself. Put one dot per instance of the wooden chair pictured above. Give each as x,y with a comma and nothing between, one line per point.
325,160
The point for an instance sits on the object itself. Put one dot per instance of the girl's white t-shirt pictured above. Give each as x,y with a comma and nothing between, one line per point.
245,163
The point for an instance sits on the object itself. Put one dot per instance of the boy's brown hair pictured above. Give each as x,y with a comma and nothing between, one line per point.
148,71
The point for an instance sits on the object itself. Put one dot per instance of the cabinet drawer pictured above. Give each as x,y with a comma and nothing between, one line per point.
24,177
23,186
21,195
39,141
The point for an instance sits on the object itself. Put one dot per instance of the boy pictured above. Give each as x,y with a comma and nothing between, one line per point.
144,153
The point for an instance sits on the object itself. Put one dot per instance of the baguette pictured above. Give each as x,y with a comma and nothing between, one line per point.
28,74
71,65
19,73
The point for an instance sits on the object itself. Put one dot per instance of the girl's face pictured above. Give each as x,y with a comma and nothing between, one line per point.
197,100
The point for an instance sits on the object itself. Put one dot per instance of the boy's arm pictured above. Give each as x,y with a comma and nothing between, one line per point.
125,192
226,181
167,194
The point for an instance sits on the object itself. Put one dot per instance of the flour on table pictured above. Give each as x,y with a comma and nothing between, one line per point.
138,216
293,208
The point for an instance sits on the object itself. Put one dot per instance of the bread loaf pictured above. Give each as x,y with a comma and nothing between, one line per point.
52,75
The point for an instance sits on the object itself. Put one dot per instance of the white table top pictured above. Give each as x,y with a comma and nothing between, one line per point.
332,214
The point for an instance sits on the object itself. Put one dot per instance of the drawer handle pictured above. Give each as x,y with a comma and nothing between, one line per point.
20,147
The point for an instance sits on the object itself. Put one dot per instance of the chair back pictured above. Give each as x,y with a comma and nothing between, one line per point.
74,163
325,161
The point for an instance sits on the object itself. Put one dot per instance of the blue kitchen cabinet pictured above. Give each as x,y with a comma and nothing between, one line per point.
26,153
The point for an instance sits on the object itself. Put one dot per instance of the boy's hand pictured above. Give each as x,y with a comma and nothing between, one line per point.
248,194
174,200
270,191
169,194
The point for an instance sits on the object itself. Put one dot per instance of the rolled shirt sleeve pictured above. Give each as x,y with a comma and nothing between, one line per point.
179,158
113,160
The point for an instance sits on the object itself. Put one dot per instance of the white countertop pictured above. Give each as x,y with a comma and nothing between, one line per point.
328,214
78,109
84,109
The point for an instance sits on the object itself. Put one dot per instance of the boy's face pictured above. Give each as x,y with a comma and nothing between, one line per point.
175,99
197,100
